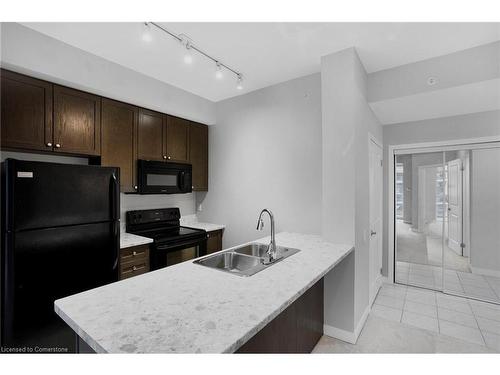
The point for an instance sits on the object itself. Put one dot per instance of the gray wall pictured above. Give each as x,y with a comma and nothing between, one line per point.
485,211
265,151
460,68
347,122
27,51
483,124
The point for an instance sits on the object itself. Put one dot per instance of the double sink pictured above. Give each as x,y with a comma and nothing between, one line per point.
245,260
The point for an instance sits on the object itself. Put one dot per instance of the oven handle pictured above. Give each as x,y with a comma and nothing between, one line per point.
178,244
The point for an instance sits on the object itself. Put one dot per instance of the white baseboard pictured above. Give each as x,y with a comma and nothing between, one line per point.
347,336
485,271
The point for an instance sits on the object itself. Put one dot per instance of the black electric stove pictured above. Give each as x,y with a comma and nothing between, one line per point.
172,243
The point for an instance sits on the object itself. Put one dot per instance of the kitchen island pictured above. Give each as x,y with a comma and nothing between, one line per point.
189,308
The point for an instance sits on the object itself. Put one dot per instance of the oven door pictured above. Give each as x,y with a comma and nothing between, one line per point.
168,254
156,177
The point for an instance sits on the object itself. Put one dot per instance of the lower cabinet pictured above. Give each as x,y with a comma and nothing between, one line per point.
134,261
214,241
296,330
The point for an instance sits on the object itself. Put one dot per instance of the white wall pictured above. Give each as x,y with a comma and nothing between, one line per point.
265,151
485,212
482,124
347,122
27,51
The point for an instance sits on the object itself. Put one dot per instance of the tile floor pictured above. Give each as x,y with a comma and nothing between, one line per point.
455,282
465,319
412,320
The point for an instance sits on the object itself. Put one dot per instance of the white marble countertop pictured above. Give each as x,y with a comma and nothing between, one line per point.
129,240
189,308
192,222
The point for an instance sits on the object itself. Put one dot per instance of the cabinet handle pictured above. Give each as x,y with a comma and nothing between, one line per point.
58,145
168,157
134,253
49,144
164,156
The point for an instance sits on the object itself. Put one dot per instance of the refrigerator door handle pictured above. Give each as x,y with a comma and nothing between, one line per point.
114,196
115,191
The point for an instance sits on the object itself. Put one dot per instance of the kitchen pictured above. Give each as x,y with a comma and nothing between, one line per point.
163,192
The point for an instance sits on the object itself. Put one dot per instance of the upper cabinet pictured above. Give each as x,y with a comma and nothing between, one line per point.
198,155
26,112
77,121
177,139
118,137
41,116
151,135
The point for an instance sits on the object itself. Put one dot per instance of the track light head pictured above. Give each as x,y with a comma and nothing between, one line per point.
239,82
146,32
218,70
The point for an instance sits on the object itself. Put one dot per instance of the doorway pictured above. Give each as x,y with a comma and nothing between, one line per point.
447,220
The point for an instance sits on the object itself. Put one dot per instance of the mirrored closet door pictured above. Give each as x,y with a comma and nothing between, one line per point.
447,220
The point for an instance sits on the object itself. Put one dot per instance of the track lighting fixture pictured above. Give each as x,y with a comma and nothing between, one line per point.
190,47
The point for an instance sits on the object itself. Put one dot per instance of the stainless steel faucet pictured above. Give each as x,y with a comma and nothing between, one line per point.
272,253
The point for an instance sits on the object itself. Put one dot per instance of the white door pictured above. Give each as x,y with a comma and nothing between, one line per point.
455,205
375,246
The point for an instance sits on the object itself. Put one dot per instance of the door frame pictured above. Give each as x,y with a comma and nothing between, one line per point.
421,147
373,289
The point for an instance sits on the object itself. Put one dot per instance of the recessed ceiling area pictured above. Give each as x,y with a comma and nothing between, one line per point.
266,53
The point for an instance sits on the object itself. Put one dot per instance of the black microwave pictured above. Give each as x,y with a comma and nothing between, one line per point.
158,177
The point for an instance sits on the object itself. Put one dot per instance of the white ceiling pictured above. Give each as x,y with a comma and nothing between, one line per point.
266,53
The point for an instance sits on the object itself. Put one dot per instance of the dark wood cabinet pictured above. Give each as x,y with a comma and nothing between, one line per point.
77,122
295,330
118,137
26,112
41,116
198,155
134,261
214,241
151,135
177,139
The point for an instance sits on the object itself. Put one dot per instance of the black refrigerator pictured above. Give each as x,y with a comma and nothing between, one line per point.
60,236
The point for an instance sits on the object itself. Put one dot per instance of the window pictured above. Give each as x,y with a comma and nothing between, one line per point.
399,190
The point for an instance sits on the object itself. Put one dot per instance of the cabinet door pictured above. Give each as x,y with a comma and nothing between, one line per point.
26,112
76,121
214,241
198,155
177,139
151,135
119,130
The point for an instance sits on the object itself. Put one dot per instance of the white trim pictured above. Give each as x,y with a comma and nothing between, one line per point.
347,336
484,271
375,288
441,145
392,149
